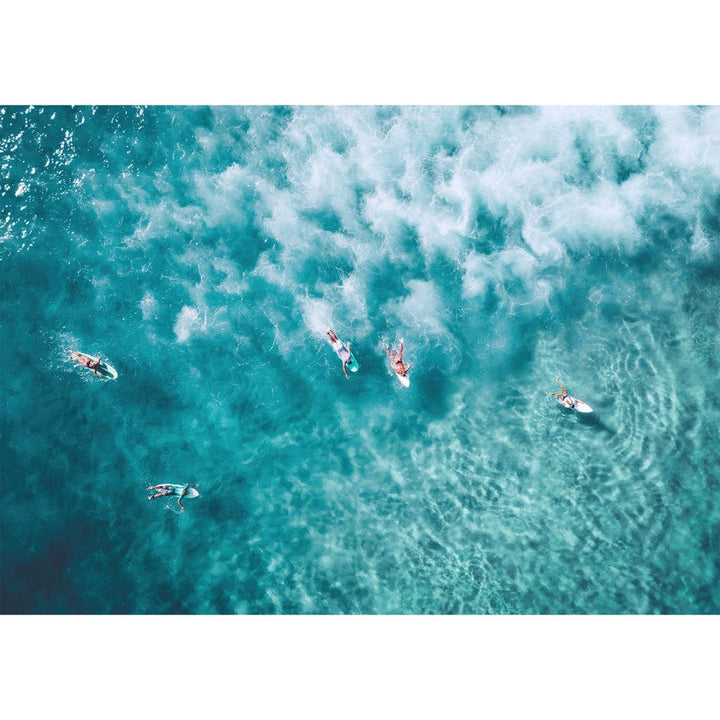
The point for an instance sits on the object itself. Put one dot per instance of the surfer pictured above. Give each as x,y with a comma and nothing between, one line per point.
396,360
565,399
88,362
167,489
342,352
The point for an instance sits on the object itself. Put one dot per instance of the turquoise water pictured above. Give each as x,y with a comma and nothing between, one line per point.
203,250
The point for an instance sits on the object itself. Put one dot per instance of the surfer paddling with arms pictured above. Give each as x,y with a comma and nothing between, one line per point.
570,402
167,490
96,364
343,352
396,360
87,362
564,399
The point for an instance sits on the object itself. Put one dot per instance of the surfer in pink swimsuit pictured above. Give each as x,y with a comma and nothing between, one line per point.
398,365
88,363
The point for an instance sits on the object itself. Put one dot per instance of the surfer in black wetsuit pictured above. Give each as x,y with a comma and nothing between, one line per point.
565,399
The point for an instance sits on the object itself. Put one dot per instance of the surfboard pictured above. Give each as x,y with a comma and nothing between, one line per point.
404,379
337,346
582,407
105,370
579,405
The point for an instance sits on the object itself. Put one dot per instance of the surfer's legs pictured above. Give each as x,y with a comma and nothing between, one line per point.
162,491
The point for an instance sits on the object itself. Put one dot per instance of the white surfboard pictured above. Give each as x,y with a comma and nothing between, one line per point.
580,406
574,404
404,379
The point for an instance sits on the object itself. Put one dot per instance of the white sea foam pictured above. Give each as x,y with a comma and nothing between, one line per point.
233,284
187,322
318,314
602,216
148,305
385,213
200,320
688,138
477,275
221,195
547,175
701,248
416,181
421,309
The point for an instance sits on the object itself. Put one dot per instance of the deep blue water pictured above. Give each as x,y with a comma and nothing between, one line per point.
203,250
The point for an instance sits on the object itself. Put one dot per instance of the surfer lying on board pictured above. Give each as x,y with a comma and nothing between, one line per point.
343,352
565,399
167,489
396,360
87,362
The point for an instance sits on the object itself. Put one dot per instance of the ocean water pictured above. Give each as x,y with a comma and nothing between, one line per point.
203,251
